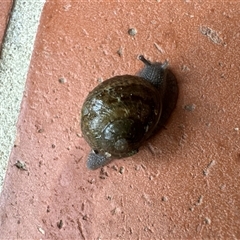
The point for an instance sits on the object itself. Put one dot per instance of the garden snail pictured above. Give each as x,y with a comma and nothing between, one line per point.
121,113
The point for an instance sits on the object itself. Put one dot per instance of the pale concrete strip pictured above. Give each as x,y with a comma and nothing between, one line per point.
14,63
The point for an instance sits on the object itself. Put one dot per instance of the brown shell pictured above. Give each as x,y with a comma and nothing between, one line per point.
120,114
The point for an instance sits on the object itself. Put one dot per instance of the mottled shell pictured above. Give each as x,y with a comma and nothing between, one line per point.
119,114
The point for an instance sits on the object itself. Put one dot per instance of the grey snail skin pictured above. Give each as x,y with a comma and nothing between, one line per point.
121,113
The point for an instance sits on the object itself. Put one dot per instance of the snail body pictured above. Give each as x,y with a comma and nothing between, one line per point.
121,113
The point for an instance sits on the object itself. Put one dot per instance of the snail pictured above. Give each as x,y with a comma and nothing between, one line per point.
121,113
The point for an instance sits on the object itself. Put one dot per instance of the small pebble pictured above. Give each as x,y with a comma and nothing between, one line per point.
99,80
41,130
114,167
41,230
21,165
164,199
132,31
122,170
190,107
207,220
62,80
120,52
60,224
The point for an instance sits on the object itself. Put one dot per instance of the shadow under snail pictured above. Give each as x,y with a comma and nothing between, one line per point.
121,113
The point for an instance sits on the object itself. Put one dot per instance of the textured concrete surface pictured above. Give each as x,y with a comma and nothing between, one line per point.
15,59
184,183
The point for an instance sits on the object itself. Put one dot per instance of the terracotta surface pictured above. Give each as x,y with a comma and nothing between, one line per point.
184,183
5,9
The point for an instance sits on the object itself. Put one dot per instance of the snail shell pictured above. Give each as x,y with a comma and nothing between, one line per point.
122,112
